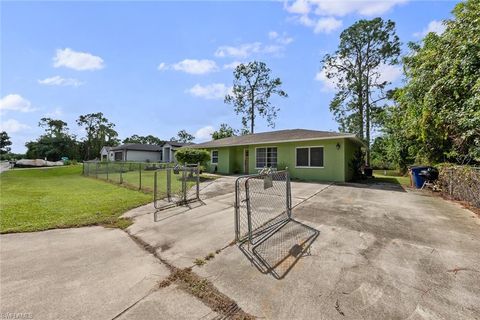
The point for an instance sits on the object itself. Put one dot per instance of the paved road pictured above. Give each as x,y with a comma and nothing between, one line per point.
4,166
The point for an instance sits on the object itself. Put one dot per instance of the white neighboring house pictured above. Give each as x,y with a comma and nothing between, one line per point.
106,154
142,152
169,149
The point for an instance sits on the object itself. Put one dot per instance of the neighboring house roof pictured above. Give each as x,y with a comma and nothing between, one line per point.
107,149
279,136
138,147
178,144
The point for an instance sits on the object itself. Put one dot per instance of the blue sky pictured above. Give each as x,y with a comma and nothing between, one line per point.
158,67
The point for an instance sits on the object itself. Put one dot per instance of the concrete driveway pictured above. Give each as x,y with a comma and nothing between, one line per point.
376,252
86,273
371,252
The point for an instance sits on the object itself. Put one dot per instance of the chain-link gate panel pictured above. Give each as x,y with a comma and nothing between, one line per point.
176,185
262,204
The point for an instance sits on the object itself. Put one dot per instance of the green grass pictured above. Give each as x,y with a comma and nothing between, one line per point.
41,199
391,176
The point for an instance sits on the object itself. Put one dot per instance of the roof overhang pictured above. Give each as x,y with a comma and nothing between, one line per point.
352,137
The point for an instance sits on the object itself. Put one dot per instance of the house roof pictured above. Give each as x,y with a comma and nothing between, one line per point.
138,147
178,144
278,136
107,148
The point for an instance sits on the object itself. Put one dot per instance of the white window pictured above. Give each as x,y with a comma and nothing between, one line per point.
214,156
309,157
266,157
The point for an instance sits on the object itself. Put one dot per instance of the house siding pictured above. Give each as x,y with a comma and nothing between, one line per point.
336,165
134,155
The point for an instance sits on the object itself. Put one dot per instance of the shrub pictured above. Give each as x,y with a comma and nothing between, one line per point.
190,155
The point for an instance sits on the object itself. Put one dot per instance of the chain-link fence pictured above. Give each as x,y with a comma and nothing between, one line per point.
262,203
176,185
134,175
461,183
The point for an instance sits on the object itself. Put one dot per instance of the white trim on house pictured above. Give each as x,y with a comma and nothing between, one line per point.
265,159
211,156
309,166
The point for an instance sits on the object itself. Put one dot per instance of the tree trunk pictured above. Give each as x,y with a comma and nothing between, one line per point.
360,95
367,124
252,112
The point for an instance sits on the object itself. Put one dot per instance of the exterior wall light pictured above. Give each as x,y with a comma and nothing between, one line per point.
338,146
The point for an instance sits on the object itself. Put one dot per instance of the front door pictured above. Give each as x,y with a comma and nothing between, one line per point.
245,161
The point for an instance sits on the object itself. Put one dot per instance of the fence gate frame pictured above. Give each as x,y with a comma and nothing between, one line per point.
185,170
243,206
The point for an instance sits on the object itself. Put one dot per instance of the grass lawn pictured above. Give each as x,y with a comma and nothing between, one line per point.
40,199
391,176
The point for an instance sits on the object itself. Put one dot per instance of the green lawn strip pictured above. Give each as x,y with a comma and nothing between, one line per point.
41,199
392,176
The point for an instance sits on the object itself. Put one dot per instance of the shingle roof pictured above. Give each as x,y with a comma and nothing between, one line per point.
275,137
138,147
178,144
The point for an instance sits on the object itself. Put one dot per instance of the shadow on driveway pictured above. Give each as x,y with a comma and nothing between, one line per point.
279,251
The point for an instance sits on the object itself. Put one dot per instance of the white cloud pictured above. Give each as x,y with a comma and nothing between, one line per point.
282,39
241,51
434,26
192,66
204,134
231,65
59,81
77,60
12,126
57,112
306,21
328,85
162,66
344,7
15,102
302,9
273,35
327,25
246,50
212,91
298,7
387,73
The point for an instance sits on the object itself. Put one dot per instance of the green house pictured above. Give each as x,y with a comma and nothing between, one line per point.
309,155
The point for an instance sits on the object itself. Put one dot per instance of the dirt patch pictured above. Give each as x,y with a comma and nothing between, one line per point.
206,292
199,287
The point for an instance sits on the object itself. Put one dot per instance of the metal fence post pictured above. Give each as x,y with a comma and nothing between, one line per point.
140,176
249,211
96,170
169,179
121,173
288,193
184,182
155,189
198,181
107,170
